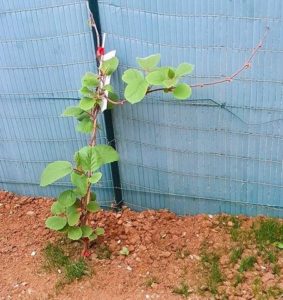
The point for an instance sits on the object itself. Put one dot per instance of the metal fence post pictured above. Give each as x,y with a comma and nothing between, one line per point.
93,6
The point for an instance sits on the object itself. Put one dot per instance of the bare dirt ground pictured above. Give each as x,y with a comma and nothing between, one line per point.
171,257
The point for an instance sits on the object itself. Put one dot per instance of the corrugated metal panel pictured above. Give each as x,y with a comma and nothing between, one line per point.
45,48
200,156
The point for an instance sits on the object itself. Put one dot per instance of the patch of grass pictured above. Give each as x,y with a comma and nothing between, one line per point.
103,252
211,263
271,256
182,253
274,292
236,254
239,278
247,263
276,270
182,289
268,231
55,259
150,281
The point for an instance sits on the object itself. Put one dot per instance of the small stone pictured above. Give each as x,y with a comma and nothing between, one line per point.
30,213
129,268
210,216
24,283
165,254
29,290
33,253
59,271
147,297
230,224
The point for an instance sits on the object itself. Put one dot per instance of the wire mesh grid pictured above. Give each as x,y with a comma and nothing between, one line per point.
219,151
45,48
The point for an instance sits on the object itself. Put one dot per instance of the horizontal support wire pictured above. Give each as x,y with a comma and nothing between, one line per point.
179,15
175,46
191,174
61,5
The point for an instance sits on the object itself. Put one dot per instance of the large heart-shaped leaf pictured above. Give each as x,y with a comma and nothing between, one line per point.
87,103
137,85
67,198
90,80
93,206
87,230
184,69
109,66
73,218
80,181
95,177
72,111
156,77
148,63
55,171
85,126
182,91
75,233
56,223
57,208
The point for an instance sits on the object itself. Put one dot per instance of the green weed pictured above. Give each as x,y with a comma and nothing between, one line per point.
247,263
211,262
268,231
55,259
150,281
182,289
236,254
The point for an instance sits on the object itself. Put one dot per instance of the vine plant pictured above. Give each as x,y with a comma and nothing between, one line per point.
71,211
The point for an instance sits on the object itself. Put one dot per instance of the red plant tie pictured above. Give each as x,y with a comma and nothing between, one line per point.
100,51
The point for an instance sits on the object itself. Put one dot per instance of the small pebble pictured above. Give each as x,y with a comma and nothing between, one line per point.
129,268
33,253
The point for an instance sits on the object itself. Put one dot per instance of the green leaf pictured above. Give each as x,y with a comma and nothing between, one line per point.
80,181
57,208
103,154
87,103
67,198
156,77
279,245
92,158
90,80
75,233
73,218
93,206
171,73
109,66
108,88
184,69
124,251
136,91
85,126
132,75
99,231
95,177
55,223
83,115
182,91
73,208
92,237
86,91
87,231
55,171
148,63
72,111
